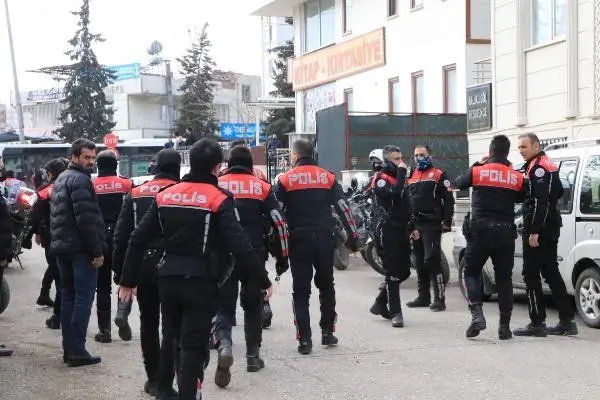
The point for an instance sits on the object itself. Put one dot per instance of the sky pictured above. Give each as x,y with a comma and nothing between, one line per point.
41,29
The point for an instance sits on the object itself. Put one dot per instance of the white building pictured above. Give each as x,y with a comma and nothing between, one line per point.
275,32
140,104
385,55
546,71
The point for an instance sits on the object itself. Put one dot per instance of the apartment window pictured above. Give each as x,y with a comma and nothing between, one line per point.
418,92
349,99
392,7
450,89
320,23
346,16
394,95
549,20
416,3
246,98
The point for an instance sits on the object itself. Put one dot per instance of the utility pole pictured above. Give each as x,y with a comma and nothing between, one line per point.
169,88
21,129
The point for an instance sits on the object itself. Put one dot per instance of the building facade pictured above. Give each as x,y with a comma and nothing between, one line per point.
275,32
399,56
546,71
140,104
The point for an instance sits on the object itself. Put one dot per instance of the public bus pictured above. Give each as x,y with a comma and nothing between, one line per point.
25,159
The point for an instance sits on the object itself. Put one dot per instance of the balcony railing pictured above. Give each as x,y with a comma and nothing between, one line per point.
482,71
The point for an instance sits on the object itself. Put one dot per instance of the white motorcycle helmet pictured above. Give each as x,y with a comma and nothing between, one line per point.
376,158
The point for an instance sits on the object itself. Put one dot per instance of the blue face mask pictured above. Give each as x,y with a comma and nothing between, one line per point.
423,162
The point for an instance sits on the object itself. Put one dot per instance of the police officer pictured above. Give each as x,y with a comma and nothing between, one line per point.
39,220
110,189
395,227
542,222
306,193
496,189
142,276
432,203
254,201
199,227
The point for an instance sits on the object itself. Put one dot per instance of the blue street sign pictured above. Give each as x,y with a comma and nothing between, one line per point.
240,131
126,71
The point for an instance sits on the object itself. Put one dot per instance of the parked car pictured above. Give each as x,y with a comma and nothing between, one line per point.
579,244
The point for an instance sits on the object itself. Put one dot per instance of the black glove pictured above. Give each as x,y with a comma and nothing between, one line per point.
446,227
281,266
352,244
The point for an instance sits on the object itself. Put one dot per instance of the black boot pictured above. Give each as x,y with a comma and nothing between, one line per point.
150,387
305,346
419,302
393,294
253,360
122,321
53,322
439,293
104,325
328,338
170,394
88,359
563,328
504,332
267,315
224,363
44,299
531,329
477,321
380,306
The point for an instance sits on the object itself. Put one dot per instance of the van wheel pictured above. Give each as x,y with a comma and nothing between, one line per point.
587,297
462,286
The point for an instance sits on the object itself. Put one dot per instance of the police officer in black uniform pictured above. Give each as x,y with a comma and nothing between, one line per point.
199,227
396,227
39,220
142,276
110,189
496,189
306,194
432,203
542,223
254,202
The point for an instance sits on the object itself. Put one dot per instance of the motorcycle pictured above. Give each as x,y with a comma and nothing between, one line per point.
20,230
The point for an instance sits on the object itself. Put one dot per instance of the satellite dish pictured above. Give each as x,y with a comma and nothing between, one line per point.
155,48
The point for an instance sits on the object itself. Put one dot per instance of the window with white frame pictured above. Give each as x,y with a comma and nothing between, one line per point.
319,19
549,20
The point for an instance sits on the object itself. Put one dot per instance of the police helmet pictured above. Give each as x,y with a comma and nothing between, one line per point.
376,158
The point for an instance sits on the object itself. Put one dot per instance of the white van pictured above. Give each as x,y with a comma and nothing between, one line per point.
579,244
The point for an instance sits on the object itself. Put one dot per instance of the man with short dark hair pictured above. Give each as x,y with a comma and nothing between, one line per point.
541,230
199,227
432,203
306,194
79,242
496,189
255,202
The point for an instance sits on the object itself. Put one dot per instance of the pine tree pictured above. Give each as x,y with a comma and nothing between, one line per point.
196,114
282,121
87,112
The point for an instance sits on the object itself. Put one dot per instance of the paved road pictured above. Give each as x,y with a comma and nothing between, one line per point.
428,359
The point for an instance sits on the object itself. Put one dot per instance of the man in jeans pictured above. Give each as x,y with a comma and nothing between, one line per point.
78,241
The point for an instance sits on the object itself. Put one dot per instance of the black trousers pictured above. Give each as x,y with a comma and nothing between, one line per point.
188,307
54,273
251,300
495,241
428,254
103,291
308,251
543,260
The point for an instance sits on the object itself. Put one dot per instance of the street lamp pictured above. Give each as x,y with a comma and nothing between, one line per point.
154,51
21,129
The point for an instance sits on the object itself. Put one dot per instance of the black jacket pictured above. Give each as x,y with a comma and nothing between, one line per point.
134,208
496,189
5,231
431,198
199,227
39,215
111,189
306,194
254,201
76,224
390,195
540,209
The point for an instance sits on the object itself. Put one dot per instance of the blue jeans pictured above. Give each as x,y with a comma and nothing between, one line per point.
78,281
